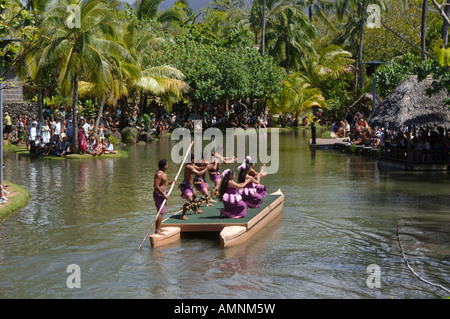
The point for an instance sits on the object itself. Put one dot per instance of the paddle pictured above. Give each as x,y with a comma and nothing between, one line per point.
168,194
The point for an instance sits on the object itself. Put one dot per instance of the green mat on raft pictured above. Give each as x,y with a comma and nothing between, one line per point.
211,214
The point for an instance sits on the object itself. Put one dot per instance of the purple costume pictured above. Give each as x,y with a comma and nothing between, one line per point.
250,195
261,190
159,199
234,206
200,184
214,175
186,190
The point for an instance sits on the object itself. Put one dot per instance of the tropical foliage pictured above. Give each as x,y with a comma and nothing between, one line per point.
122,55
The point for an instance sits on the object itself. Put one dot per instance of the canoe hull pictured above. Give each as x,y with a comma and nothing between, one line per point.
234,235
170,235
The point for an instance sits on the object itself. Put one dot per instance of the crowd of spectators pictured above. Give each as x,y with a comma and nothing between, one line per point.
357,130
54,135
160,122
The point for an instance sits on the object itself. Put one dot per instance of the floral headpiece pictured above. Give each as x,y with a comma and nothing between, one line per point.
225,172
242,166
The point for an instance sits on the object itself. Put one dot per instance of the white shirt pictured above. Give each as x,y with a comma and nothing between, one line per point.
57,128
86,128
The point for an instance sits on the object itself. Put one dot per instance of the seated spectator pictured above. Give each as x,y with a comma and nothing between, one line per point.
346,128
98,147
109,148
340,132
64,146
50,148
90,146
40,146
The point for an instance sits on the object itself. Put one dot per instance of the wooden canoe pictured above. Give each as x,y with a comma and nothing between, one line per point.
232,232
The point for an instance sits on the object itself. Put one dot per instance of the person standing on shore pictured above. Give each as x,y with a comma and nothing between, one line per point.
8,125
160,187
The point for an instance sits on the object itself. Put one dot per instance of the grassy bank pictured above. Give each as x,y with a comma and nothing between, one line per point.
22,151
17,198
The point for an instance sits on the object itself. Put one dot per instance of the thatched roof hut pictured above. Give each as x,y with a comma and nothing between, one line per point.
408,104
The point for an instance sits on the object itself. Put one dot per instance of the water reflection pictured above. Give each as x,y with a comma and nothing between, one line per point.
339,216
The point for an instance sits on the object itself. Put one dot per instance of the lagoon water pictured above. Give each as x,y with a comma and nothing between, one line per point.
339,217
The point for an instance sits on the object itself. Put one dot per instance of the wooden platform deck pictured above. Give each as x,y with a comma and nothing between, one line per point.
232,231
326,143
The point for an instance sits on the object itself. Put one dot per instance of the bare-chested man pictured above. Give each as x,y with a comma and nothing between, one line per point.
200,183
187,189
160,186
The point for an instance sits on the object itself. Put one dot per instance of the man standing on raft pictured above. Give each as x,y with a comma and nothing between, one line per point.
160,186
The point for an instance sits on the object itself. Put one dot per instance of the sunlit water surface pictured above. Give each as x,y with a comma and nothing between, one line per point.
339,217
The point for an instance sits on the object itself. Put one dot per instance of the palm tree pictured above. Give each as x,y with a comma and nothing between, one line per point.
296,95
445,25
320,8
351,15
149,9
163,81
328,63
423,29
121,76
288,35
28,69
80,52
254,18
34,75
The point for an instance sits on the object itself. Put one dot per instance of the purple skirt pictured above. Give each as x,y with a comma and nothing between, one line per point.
235,210
261,189
186,190
159,199
200,184
250,196
214,176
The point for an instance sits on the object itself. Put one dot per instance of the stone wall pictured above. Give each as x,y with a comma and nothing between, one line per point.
12,89
17,110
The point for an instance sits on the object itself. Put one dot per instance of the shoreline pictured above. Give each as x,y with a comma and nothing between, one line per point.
21,150
17,198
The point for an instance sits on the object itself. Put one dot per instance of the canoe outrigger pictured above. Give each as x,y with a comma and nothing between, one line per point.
232,231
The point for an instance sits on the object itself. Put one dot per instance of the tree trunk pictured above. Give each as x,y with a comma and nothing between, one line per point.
445,25
75,147
288,61
423,28
99,114
357,68
40,105
361,37
310,11
263,28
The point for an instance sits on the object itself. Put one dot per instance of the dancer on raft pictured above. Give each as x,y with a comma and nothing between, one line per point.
214,173
234,206
160,186
261,189
200,183
249,193
187,188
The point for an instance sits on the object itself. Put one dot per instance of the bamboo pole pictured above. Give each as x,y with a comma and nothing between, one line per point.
168,194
